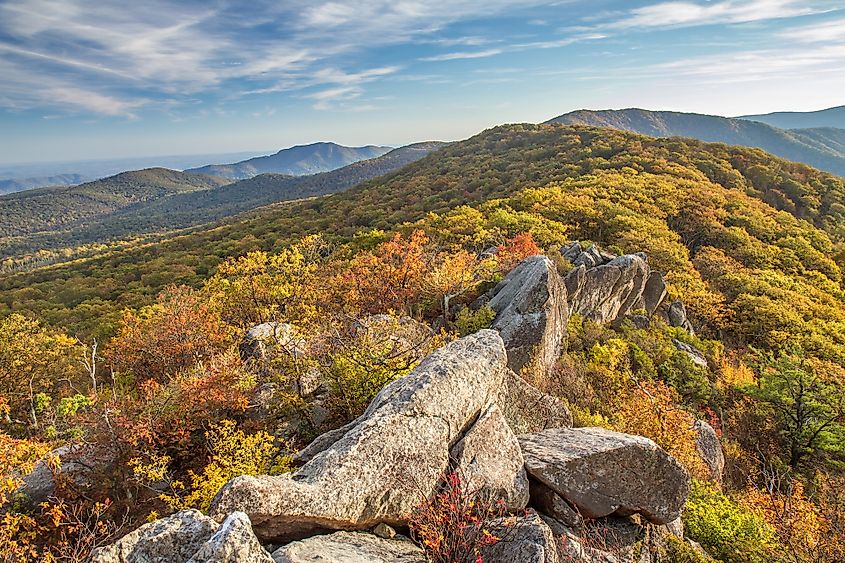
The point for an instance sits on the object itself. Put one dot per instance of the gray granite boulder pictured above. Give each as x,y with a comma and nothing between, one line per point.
350,547
601,472
531,314
384,462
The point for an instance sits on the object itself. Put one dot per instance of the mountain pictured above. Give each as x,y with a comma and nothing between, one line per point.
20,184
53,208
174,209
819,148
498,163
831,117
295,161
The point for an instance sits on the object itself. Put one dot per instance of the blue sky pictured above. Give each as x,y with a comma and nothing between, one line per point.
83,80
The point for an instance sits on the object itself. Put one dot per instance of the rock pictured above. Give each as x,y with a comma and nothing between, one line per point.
692,352
654,292
384,531
601,472
710,449
676,314
525,539
609,291
553,505
258,340
233,542
174,539
574,282
488,253
590,258
388,459
350,547
489,461
640,321
531,314
527,409
75,465
572,251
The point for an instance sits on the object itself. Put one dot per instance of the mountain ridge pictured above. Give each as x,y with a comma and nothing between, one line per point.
299,160
818,148
823,118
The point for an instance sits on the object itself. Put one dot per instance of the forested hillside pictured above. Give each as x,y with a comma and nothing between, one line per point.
47,209
821,148
352,290
145,215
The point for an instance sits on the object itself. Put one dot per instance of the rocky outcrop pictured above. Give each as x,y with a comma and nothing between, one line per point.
601,472
676,315
531,314
490,462
396,452
553,505
709,449
609,291
233,542
693,353
527,409
526,539
259,339
174,539
654,292
349,547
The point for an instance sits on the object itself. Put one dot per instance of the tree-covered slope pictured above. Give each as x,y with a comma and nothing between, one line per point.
683,195
296,161
821,149
183,209
48,209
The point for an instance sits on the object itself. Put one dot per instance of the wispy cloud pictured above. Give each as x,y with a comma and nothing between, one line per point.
463,55
820,32
687,13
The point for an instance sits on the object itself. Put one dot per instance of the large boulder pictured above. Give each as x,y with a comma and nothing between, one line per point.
526,539
385,462
553,505
602,472
174,539
490,462
654,292
350,547
527,409
574,281
709,449
531,314
609,291
233,542
73,462
676,315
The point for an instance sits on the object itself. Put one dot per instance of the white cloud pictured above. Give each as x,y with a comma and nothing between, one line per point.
463,55
821,32
686,13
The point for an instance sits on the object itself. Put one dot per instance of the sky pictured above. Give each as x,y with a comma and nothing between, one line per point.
91,80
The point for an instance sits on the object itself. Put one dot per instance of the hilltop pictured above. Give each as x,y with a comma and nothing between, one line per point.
143,212
820,148
300,160
825,118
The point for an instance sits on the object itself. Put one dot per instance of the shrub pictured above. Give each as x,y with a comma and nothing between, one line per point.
725,528
453,526
469,322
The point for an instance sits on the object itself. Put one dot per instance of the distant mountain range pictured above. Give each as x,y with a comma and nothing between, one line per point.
831,117
823,148
155,200
300,160
20,184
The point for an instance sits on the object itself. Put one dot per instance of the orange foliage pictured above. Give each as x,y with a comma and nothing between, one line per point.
165,339
515,250
651,410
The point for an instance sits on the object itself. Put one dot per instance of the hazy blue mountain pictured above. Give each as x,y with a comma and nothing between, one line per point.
16,177
821,148
831,117
152,201
300,160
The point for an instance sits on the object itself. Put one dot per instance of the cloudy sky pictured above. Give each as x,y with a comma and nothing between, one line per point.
81,79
